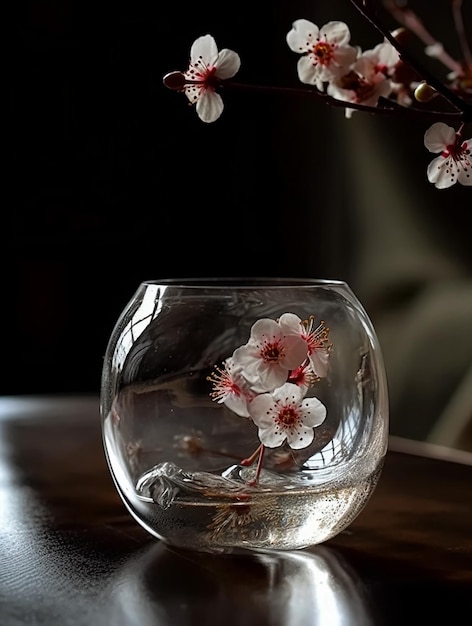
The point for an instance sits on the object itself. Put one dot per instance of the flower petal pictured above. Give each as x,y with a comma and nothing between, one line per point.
260,408
345,57
319,360
387,54
301,437
206,48
264,327
438,137
302,36
465,176
290,321
269,377
228,64
194,92
237,404
307,72
209,106
336,32
314,412
295,352
271,438
288,390
442,172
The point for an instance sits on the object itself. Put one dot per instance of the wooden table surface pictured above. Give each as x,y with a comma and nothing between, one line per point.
71,555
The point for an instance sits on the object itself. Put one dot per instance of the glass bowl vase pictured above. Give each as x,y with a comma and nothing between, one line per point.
243,414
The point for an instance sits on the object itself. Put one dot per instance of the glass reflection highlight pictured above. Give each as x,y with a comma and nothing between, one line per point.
173,587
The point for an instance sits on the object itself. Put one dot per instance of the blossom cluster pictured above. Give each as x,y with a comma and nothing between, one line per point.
348,74
329,62
267,379
377,80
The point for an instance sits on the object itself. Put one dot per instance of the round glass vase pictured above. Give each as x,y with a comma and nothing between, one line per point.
244,413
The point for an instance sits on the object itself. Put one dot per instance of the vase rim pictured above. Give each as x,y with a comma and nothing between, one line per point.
244,282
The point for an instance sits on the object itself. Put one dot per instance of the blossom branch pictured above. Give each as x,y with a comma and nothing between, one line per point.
177,82
370,15
386,106
407,18
459,23
385,80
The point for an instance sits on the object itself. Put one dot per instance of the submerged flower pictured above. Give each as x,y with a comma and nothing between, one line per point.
455,161
207,68
269,355
285,414
230,388
315,337
326,51
233,516
303,375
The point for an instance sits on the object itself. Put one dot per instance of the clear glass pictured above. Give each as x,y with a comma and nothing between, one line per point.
244,413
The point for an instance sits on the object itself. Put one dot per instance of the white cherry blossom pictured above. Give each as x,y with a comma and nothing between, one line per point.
206,69
326,53
315,337
369,78
454,164
266,359
285,414
380,60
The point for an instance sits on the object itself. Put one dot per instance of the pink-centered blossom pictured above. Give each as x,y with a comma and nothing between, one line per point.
285,414
326,53
231,388
207,68
382,59
369,78
266,359
454,164
315,337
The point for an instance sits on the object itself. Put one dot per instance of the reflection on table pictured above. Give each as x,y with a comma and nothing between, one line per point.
73,556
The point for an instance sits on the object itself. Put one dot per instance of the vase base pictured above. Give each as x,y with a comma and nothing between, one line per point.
219,514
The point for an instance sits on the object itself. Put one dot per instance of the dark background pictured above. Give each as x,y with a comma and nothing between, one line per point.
112,179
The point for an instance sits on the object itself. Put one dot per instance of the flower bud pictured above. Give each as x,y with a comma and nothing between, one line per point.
174,80
402,35
424,92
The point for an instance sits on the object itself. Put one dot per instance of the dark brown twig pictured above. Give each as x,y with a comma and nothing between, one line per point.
368,11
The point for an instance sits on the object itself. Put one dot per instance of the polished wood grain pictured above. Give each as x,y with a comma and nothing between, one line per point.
70,554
